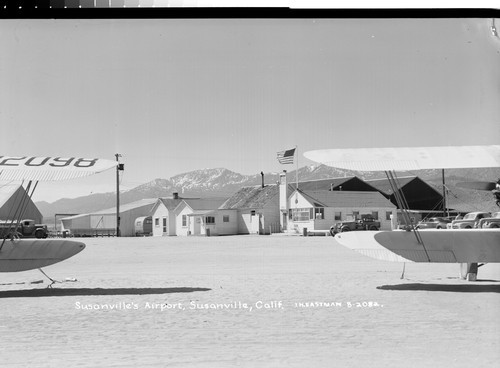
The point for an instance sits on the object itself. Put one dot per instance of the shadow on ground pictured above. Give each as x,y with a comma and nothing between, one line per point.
462,288
33,293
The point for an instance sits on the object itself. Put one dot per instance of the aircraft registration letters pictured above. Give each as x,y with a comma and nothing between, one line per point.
46,161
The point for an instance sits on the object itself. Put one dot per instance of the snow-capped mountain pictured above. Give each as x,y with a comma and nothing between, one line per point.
195,184
223,183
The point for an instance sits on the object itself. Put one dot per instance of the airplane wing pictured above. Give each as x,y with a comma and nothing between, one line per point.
27,254
30,254
441,246
50,168
408,158
464,246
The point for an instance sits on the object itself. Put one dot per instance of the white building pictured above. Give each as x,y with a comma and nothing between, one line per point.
202,217
319,210
256,208
163,215
104,222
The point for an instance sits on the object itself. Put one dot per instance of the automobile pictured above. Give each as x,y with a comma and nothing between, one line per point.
366,222
492,222
457,217
470,220
434,223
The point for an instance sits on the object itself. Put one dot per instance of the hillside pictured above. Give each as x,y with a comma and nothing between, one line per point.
223,183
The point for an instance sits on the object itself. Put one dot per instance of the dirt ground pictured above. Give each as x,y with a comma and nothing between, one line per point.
247,301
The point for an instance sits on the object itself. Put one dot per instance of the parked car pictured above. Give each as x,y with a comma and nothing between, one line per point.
470,220
492,222
434,223
366,222
457,217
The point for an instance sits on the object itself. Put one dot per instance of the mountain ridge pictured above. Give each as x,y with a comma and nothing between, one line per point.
221,182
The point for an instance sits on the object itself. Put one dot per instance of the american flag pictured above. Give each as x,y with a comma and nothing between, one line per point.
286,157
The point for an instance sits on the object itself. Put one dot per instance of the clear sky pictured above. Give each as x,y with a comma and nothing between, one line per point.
175,95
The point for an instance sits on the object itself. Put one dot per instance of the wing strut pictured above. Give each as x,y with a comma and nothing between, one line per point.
403,205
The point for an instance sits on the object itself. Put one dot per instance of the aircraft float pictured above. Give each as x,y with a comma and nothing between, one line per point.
469,247
17,254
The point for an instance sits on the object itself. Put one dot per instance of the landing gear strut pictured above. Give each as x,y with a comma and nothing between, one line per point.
51,279
468,271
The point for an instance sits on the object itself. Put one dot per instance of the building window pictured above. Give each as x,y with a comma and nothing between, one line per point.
157,221
164,224
184,220
319,213
355,214
338,216
225,218
375,215
210,220
388,215
302,214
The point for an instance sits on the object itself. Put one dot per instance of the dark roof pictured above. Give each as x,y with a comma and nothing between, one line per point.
352,183
342,198
7,192
14,196
418,194
251,197
384,186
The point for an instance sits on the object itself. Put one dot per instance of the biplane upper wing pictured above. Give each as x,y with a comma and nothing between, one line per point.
460,246
27,254
50,168
408,158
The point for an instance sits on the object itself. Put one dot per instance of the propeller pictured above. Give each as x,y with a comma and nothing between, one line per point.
484,185
478,185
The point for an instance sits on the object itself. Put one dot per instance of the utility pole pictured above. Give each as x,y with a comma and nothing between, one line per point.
297,178
119,167
445,212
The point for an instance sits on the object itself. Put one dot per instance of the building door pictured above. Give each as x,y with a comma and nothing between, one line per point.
255,220
284,221
197,225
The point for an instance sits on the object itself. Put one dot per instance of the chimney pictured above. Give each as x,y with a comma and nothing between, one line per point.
175,195
262,174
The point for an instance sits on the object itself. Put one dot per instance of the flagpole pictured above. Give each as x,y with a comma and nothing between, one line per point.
297,177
